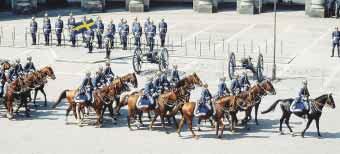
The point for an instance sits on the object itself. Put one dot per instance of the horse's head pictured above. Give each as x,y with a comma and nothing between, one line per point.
258,90
196,80
133,80
330,101
5,65
241,103
48,71
268,87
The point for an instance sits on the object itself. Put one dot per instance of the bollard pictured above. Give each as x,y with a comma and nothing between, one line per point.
266,49
25,36
195,42
200,49
214,50
281,47
237,46
181,40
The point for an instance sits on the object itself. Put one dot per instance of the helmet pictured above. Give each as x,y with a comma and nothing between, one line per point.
244,73
174,66
71,14
107,63
162,19
148,19
222,78
205,85
111,21
304,82
17,60
237,76
159,73
135,18
151,22
88,73
100,69
121,19
59,17
33,18
46,15
29,58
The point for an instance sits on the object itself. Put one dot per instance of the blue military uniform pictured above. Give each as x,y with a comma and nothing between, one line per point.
73,37
174,76
29,67
244,83
149,91
335,41
204,104
125,32
146,29
163,29
99,80
12,75
89,36
298,104
235,86
47,30
112,31
151,33
108,74
137,33
222,90
71,22
2,82
120,27
99,33
59,26
33,29
85,91
164,83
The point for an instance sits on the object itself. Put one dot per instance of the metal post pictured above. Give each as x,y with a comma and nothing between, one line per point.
237,46
195,42
266,49
214,49
244,51
281,47
200,48
181,40
251,46
274,56
25,36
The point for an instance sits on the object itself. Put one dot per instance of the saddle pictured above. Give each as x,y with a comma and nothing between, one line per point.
203,109
144,101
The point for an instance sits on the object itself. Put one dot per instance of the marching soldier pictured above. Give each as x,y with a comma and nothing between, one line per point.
137,32
151,35
125,33
335,40
112,28
146,26
163,29
47,29
71,22
99,32
59,25
33,30
120,26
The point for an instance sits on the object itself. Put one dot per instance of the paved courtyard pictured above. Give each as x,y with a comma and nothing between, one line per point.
303,54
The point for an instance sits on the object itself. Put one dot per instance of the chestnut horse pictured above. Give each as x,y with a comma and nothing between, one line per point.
5,64
226,104
15,91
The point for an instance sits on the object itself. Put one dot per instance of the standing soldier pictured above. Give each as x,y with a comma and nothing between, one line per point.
335,40
73,36
33,30
99,32
83,32
151,36
47,29
108,38
59,25
125,33
146,26
89,37
112,28
163,29
137,32
71,22
120,26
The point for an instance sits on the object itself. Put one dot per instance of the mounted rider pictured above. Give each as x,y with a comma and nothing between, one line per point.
244,82
85,90
222,89
301,103
29,67
148,98
99,80
108,74
204,105
164,83
174,78
235,85
157,83
2,80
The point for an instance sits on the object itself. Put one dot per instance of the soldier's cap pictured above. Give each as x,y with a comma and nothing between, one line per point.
223,78
46,14
205,85
33,18
59,16
71,13
108,62
174,66
29,58
17,60
88,73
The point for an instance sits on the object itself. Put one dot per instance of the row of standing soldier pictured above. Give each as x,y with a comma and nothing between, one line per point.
122,29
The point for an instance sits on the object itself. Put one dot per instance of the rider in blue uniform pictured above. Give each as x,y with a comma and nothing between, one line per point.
149,91
244,82
235,85
204,105
99,80
85,90
108,74
164,83
29,67
157,82
18,67
222,89
2,81
301,103
174,78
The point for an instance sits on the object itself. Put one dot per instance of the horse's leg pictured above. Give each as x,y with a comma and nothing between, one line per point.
287,123
43,92
78,113
149,115
140,116
102,114
222,129
307,126
153,121
256,111
212,123
27,110
35,97
114,119
181,123
175,122
317,125
233,121
163,123
67,113
283,116
74,110
198,124
189,121
217,128
20,105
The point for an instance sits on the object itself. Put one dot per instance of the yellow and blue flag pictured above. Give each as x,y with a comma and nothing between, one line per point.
84,26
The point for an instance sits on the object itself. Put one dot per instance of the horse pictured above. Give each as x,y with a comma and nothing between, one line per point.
316,106
5,64
46,72
226,104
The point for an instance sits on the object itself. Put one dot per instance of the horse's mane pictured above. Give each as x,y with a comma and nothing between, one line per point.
321,97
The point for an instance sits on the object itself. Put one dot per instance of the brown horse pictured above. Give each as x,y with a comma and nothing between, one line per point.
20,88
226,104
5,64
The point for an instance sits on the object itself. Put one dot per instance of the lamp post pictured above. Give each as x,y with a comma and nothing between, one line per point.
274,56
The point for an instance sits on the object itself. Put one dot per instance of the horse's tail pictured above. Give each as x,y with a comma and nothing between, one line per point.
61,97
272,107
122,97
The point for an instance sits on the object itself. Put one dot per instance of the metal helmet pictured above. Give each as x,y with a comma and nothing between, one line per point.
33,18
237,76
121,19
205,85
162,19
29,58
223,78
244,73
17,61
59,17
100,69
148,19
71,14
174,66
151,22
304,82
135,18
107,63
46,14
159,73
88,74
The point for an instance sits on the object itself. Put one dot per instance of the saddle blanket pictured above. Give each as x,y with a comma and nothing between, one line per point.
144,102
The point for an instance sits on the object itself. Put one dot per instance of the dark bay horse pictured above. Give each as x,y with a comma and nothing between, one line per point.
226,104
316,106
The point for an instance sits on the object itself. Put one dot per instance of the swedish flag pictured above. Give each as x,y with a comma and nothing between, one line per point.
83,26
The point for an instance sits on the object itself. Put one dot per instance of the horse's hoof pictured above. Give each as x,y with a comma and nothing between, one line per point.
219,136
167,132
282,133
199,129
196,137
